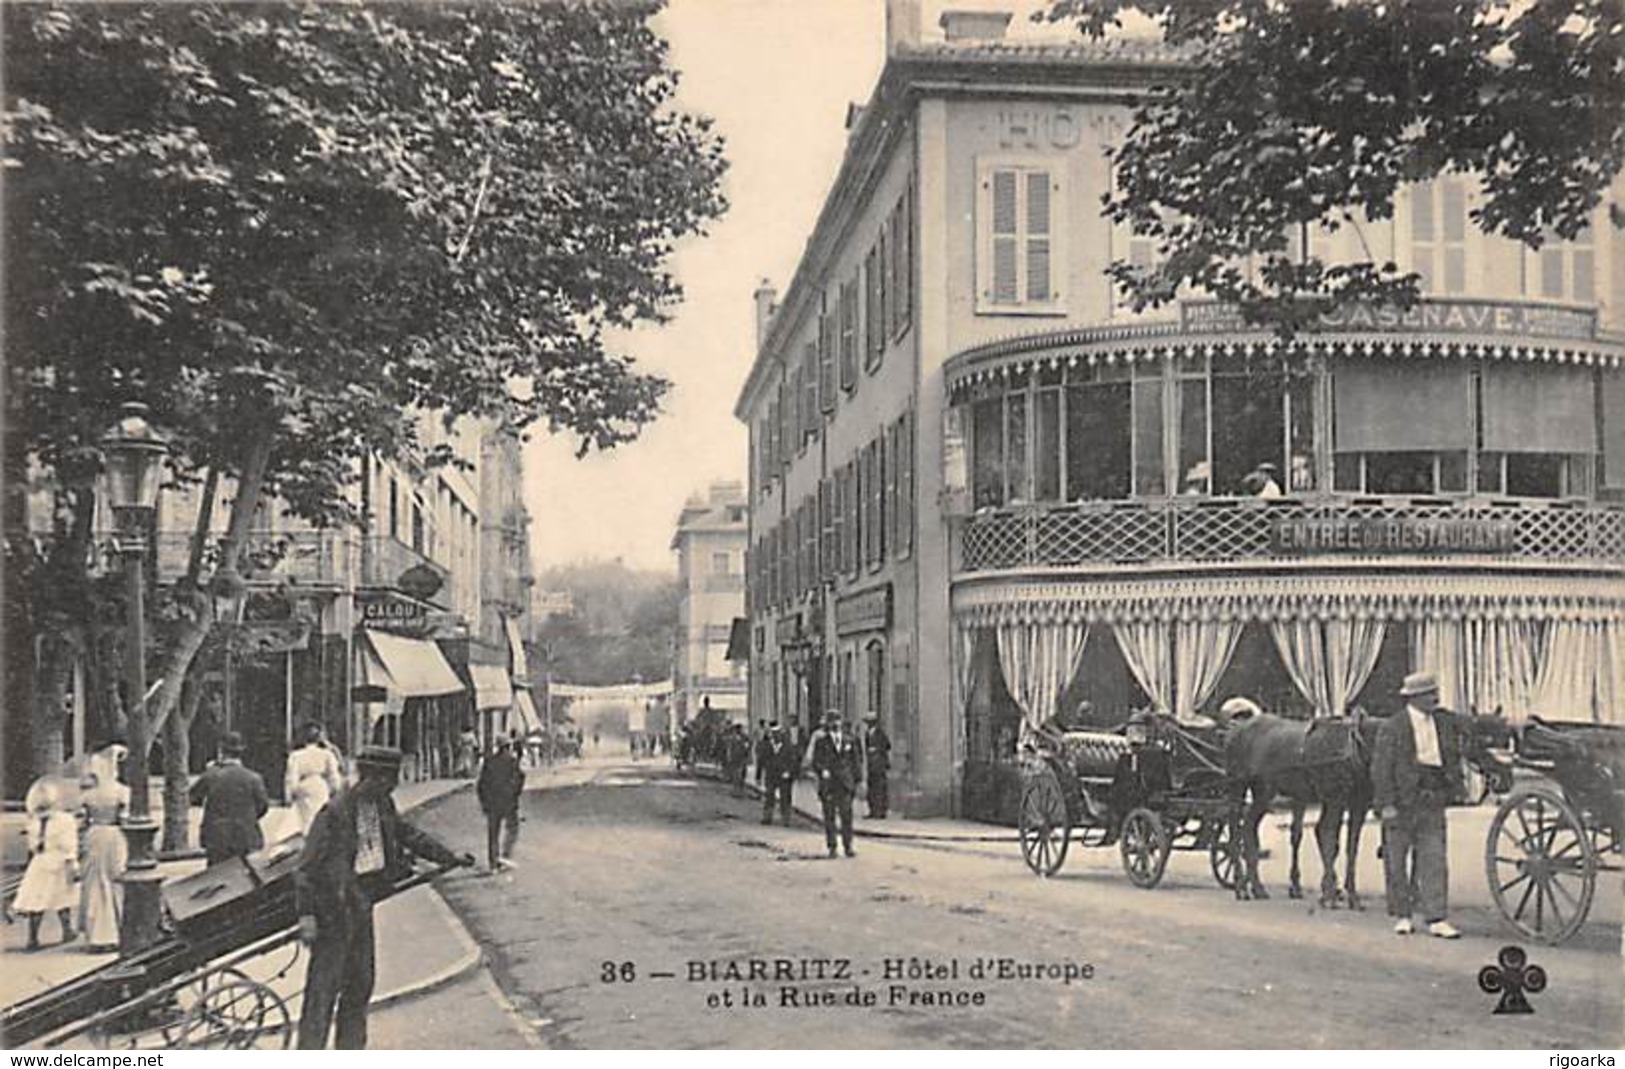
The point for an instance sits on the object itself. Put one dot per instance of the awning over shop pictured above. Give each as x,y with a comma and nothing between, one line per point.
516,647
525,710
739,640
408,667
492,689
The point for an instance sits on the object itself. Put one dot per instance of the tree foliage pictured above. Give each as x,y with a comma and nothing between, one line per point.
289,228
622,625
1313,113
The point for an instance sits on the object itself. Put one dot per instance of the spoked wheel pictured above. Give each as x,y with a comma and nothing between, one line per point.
1145,847
1541,865
238,1014
1044,826
189,996
1223,856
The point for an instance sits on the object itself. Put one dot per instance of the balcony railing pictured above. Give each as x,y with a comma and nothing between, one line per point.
1217,531
303,556
385,560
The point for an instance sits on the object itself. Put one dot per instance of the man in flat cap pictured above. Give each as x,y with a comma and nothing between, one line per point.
775,772
876,765
233,799
356,849
1415,771
837,762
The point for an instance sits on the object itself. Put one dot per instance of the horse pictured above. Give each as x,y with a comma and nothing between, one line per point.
1323,761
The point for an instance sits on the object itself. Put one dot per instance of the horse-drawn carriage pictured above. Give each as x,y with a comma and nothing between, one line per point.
211,981
1561,819
1153,786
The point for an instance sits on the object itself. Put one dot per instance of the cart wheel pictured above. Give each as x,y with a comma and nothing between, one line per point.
1044,826
186,998
238,1014
1541,865
1145,847
1223,856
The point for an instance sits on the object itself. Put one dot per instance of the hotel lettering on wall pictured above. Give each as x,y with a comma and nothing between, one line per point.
1485,318
1396,534
867,610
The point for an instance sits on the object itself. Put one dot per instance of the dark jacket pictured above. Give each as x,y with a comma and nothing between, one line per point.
1396,778
776,760
500,783
325,883
842,762
233,800
877,750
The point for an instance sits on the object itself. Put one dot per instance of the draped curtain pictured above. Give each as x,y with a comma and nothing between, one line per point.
1038,661
1504,665
1570,660
1328,660
1145,646
1202,651
1437,646
965,664
1611,672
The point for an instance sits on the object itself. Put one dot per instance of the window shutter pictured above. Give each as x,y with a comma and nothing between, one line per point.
826,357
905,282
886,454
871,310
787,423
854,516
1038,237
770,437
1004,236
905,484
809,391
849,335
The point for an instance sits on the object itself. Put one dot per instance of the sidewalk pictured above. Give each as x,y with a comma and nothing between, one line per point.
439,951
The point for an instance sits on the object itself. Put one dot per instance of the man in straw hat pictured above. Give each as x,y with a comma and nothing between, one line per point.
838,764
354,851
1415,771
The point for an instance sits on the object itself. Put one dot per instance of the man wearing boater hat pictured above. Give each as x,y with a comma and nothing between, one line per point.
354,851
1415,771
838,764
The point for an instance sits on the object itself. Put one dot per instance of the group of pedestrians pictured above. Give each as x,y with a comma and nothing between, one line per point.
70,875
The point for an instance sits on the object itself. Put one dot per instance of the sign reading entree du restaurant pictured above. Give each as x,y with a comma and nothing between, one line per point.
1393,534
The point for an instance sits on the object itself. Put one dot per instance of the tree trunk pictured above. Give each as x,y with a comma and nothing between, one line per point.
190,635
177,770
50,702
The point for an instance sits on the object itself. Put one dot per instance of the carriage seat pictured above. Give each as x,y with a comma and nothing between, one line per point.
1093,754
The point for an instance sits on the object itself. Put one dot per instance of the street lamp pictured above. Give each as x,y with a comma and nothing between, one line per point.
133,453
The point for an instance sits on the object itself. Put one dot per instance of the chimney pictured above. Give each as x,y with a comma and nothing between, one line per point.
902,25
766,304
974,25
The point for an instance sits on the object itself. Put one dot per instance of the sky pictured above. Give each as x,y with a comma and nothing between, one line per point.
776,76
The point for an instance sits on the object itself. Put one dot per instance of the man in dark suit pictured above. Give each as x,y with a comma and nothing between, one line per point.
1415,771
501,782
356,849
876,765
775,772
838,766
233,800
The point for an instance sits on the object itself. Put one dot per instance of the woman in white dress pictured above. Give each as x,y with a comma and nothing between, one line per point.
312,776
100,896
53,864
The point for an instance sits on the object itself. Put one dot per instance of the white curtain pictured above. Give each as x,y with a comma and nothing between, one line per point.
1145,646
1570,660
1329,660
1038,661
1502,665
1202,651
965,637
1611,672
1437,647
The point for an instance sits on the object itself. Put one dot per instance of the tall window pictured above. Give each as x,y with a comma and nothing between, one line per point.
827,340
902,256
905,484
1149,479
1098,434
849,335
810,422
1018,231
875,673
987,452
874,322
1565,270
1439,235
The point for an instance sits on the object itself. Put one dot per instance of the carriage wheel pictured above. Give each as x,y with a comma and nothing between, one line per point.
238,1014
1044,826
1541,865
1223,856
185,999
1145,847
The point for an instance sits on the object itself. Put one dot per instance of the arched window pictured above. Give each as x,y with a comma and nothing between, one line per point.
875,676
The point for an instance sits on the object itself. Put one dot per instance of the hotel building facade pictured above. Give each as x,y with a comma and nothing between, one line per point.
983,490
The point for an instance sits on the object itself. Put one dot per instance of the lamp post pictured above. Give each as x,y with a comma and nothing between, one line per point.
132,452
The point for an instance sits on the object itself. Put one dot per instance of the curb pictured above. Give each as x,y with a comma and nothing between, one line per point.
473,957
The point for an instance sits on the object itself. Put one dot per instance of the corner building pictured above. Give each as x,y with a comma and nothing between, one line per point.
983,490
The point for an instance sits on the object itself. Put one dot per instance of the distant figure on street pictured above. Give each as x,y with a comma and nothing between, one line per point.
468,746
1415,771
776,768
313,776
838,766
354,851
876,765
735,757
101,897
500,784
53,863
233,800
595,738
